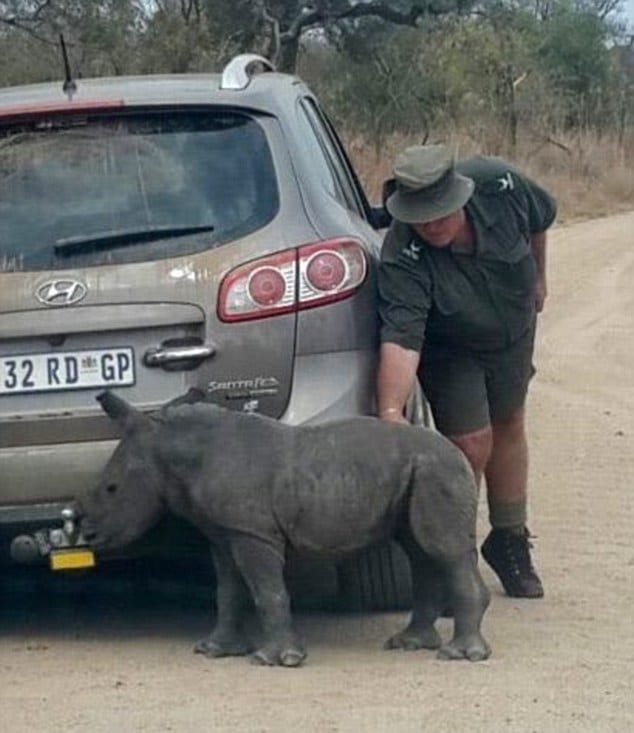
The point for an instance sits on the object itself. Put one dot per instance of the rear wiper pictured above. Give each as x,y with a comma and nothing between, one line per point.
117,237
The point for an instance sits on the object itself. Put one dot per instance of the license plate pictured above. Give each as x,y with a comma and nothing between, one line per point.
71,559
66,370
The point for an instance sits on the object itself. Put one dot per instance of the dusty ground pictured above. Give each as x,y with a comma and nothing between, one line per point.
565,663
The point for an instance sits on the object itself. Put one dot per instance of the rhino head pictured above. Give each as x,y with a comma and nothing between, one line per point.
127,499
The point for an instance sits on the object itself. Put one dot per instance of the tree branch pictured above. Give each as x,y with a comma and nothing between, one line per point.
319,14
29,23
276,45
32,18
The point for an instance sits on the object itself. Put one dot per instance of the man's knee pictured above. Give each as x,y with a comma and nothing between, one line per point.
511,427
476,446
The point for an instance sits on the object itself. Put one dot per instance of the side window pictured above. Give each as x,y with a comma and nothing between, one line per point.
333,150
318,156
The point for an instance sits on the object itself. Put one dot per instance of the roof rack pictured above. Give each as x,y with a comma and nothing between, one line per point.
240,70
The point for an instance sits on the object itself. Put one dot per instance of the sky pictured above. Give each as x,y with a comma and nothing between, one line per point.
628,7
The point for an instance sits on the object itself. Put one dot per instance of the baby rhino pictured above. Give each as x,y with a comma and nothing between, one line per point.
254,486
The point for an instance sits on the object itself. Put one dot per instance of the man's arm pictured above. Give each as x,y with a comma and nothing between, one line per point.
538,247
541,208
395,380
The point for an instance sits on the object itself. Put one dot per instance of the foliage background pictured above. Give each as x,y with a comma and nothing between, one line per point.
547,83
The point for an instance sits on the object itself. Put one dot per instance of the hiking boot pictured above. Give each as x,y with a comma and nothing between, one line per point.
508,552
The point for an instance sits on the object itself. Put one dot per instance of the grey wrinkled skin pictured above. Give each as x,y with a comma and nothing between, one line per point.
254,486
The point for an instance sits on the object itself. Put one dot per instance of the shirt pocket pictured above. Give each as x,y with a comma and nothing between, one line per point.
453,291
514,279
457,291
516,248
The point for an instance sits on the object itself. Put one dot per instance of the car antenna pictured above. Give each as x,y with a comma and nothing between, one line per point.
69,87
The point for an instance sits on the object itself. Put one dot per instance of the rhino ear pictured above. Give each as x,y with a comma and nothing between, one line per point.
120,410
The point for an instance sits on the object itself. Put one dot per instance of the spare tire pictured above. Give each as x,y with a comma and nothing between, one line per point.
378,579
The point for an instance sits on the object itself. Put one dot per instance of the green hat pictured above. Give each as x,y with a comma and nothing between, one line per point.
427,185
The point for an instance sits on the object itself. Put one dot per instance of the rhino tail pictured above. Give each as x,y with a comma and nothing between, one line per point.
191,397
443,501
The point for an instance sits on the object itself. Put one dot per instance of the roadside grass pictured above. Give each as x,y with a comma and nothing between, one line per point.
590,176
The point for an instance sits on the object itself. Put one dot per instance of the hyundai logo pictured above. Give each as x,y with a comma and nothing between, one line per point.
61,292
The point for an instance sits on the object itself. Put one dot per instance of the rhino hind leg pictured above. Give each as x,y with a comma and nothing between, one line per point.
442,521
427,595
470,599
261,564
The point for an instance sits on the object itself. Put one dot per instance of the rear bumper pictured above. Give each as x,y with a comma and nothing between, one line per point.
41,475
31,534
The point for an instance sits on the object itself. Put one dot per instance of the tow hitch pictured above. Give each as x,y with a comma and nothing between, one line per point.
64,546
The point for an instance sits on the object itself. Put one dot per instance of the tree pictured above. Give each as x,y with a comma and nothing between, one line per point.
280,25
391,90
574,57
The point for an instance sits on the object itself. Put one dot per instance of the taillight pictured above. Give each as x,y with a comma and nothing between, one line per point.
266,286
330,271
306,277
326,271
255,290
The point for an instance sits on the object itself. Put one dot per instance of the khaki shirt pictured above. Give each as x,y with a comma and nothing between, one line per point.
483,300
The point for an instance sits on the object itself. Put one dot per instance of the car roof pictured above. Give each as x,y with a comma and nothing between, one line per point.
268,92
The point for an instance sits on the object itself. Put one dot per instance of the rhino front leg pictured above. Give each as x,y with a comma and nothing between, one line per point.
262,566
469,598
231,599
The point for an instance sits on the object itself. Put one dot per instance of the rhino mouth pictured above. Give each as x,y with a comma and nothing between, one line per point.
105,538
90,533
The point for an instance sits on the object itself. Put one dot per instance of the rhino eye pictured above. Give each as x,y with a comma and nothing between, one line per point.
111,488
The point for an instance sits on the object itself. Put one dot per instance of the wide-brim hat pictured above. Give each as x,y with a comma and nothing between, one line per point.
427,186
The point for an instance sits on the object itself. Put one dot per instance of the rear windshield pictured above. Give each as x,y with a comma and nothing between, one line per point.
96,190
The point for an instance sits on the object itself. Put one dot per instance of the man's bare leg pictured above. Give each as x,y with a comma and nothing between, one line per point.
507,548
477,447
506,471
500,453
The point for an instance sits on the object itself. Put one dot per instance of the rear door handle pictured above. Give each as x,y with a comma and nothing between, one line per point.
162,355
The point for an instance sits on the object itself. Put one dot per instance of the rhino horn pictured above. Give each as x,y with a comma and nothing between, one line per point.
119,410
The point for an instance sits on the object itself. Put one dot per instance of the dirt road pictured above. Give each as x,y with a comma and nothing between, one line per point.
562,664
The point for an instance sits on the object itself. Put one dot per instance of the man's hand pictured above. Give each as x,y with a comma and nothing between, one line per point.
393,414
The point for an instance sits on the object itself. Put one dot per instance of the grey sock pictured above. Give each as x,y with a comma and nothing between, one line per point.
508,515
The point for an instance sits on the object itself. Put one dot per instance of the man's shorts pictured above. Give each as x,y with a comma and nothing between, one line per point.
468,390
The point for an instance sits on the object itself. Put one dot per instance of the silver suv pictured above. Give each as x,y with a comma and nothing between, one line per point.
164,233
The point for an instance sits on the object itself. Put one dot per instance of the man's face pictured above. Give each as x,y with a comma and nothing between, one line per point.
441,232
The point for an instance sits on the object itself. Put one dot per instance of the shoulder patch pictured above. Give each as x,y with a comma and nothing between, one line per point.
412,250
506,182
